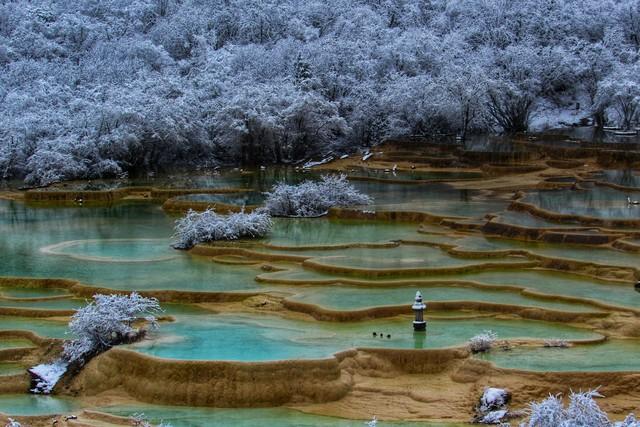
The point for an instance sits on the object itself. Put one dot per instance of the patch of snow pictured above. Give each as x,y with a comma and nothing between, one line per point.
311,164
48,375
366,157
493,417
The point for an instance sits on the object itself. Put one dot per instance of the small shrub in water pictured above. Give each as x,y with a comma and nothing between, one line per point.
482,342
313,198
208,226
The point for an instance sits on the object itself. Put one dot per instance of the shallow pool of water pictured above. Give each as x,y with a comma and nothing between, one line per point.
438,199
546,282
260,338
29,404
272,417
324,231
594,201
598,255
626,177
42,327
612,355
107,240
351,298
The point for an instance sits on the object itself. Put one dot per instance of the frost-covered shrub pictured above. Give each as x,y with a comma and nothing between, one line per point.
104,322
208,226
482,342
583,410
549,412
107,321
313,198
629,421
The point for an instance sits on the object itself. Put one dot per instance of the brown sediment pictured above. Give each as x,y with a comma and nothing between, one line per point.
219,250
569,235
533,313
317,265
616,186
626,245
520,206
515,158
381,245
83,290
436,385
390,216
34,312
565,164
40,298
493,170
391,180
211,383
153,194
64,196
11,195
17,383
234,260
450,395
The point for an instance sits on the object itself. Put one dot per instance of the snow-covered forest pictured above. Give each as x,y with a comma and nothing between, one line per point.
98,88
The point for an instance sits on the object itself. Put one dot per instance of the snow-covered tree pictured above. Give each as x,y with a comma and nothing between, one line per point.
90,89
106,321
313,198
209,226
621,91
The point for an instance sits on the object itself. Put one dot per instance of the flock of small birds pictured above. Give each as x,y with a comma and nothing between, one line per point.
375,334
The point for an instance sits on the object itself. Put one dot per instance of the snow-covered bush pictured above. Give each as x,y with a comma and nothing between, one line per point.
107,321
208,226
583,410
482,342
313,198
